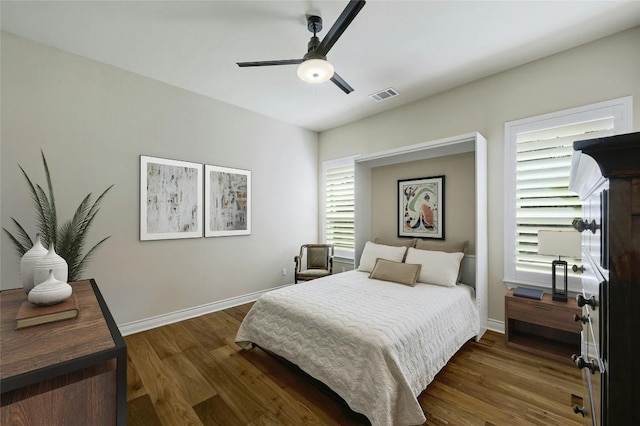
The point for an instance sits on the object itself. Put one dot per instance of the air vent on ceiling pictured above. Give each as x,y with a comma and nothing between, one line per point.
384,94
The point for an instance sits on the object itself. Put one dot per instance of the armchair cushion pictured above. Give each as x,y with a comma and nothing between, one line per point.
317,257
313,273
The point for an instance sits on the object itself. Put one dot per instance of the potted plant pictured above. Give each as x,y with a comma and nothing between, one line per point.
69,238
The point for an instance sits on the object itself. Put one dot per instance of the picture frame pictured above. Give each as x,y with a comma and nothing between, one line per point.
227,201
170,199
421,207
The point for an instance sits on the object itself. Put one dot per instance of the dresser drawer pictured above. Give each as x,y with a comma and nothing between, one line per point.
592,287
536,312
590,409
591,403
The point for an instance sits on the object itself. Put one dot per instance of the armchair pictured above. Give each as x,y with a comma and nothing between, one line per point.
319,259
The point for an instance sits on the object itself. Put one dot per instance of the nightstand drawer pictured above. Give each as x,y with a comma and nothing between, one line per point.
537,312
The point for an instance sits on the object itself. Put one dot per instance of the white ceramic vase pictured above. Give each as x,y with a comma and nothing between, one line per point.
28,263
50,262
50,292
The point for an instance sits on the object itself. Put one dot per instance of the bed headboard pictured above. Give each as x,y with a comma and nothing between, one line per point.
468,270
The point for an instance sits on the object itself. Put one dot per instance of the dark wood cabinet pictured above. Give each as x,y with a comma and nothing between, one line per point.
606,175
63,373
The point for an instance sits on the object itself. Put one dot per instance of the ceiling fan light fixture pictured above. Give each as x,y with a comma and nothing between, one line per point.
315,71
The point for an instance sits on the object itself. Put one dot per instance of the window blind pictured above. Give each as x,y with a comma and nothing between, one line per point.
543,198
339,209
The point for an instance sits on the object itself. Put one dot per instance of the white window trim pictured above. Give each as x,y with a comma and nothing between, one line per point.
330,164
622,111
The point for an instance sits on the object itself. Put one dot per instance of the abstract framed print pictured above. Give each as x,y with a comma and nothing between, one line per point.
170,199
227,201
421,207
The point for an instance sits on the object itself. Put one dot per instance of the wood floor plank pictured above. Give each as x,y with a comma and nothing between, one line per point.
239,312
215,412
171,339
482,409
244,406
200,327
135,387
170,405
440,413
304,388
192,372
277,402
188,379
141,412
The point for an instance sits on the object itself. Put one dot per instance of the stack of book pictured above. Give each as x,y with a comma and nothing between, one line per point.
528,293
30,314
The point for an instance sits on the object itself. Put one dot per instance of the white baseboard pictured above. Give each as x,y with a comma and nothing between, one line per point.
184,314
495,325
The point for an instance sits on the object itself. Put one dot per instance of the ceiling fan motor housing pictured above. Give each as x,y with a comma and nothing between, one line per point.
314,24
311,48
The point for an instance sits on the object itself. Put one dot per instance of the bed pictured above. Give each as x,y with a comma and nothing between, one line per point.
375,343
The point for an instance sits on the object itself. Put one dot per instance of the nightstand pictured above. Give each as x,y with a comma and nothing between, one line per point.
544,327
66,372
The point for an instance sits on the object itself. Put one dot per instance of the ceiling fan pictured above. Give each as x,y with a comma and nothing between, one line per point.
314,67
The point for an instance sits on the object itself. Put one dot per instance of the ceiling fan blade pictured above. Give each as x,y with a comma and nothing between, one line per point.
343,85
341,24
269,63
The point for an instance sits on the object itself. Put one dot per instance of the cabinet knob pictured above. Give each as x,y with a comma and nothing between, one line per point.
580,410
576,268
582,318
581,301
582,225
581,363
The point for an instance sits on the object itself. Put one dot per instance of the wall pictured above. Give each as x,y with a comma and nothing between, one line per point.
605,69
459,212
93,121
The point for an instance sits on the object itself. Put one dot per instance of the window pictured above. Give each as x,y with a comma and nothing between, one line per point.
538,152
338,206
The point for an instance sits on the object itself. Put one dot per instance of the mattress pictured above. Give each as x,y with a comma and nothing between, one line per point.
377,344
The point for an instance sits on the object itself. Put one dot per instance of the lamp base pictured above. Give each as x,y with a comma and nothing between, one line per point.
556,294
560,297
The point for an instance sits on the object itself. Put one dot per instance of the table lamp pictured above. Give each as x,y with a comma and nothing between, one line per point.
559,243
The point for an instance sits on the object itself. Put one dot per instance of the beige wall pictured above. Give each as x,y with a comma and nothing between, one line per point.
459,212
93,121
605,69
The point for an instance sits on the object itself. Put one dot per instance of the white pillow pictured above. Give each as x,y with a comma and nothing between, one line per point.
373,251
438,267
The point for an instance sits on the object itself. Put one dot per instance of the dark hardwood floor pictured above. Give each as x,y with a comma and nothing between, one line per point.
192,373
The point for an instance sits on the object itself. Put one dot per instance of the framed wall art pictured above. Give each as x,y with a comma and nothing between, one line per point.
170,199
421,207
227,201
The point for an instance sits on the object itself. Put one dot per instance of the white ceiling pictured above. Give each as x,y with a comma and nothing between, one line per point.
417,47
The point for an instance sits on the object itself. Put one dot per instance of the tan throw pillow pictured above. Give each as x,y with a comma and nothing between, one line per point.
438,267
445,246
397,272
397,242
372,251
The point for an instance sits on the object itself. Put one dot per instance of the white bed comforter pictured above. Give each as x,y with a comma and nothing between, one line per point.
376,344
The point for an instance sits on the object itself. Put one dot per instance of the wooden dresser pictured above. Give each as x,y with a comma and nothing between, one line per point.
606,174
71,372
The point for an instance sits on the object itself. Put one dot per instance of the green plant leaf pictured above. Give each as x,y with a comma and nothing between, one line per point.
69,239
83,263
53,219
22,242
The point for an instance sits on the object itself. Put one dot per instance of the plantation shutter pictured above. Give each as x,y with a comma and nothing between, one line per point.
339,209
543,199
